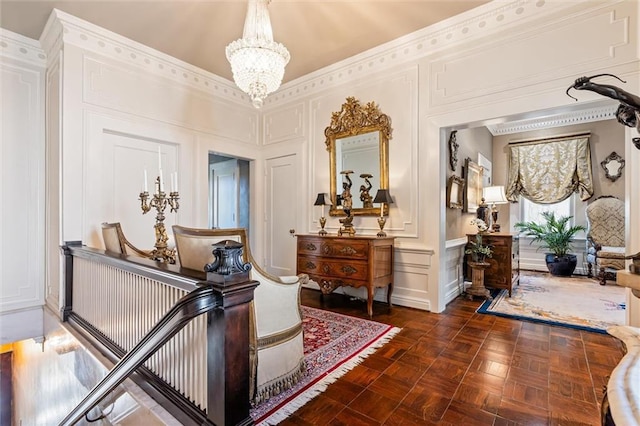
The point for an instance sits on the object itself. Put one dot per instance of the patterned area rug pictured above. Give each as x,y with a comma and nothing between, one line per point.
333,345
576,302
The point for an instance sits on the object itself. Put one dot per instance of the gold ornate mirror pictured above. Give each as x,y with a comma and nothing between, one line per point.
358,142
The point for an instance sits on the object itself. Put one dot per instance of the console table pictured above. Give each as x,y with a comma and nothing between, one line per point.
360,261
505,260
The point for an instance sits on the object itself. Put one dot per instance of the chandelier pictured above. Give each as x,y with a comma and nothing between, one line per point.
257,62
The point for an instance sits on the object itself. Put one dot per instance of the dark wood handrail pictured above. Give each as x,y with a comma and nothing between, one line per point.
224,298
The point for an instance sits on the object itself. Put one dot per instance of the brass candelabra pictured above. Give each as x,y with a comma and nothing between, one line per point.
160,201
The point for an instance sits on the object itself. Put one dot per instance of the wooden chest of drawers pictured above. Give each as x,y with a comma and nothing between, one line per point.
333,261
505,261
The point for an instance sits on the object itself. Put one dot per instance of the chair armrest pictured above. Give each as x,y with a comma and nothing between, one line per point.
276,303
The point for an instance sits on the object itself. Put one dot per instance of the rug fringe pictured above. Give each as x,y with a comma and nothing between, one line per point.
330,378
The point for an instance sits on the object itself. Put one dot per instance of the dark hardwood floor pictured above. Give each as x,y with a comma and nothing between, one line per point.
463,368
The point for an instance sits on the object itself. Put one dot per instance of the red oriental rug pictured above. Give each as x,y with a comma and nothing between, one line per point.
333,345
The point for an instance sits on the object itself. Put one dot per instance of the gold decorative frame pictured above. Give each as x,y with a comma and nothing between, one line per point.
473,186
354,119
455,192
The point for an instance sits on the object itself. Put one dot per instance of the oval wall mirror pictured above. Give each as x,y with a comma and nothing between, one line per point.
357,140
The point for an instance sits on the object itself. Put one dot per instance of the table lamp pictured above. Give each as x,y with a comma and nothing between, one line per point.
493,195
322,200
382,197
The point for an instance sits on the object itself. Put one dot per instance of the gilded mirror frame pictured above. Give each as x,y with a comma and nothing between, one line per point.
354,119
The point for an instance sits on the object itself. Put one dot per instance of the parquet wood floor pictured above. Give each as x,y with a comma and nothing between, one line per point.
463,368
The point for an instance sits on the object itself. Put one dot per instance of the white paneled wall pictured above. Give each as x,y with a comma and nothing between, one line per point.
491,63
22,164
112,102
454,273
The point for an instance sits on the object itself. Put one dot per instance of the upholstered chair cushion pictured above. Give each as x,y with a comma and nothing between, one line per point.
606,221
605,235
111,239
116,242
276,326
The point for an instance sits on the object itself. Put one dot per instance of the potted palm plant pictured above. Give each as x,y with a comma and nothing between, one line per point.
556,236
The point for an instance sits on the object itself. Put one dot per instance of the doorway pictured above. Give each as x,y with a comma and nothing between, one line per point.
228,192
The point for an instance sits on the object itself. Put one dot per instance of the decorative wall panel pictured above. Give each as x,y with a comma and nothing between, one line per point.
126,90
576,47
284,124
22,206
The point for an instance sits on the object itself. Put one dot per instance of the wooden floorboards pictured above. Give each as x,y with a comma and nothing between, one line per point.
464,368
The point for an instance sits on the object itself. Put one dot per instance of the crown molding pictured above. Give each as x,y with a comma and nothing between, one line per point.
569,118
476,24
87,36
21,48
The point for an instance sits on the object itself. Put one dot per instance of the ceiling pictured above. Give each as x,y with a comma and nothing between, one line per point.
317,33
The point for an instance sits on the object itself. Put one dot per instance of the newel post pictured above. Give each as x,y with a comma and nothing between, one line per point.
228,365
68,278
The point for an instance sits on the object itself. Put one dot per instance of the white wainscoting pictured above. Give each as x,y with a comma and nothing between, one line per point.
22,205
454,274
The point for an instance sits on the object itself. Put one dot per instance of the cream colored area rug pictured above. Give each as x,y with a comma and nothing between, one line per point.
577,302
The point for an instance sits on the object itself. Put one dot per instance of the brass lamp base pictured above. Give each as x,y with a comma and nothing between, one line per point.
323,221
381,222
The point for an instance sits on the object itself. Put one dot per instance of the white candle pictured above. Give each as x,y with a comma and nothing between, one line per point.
173,182
161,188
146,189
176,181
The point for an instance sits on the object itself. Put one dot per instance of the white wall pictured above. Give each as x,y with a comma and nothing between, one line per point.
108,94
492,62
22,163
115,104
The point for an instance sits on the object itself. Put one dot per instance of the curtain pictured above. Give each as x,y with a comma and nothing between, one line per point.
549,171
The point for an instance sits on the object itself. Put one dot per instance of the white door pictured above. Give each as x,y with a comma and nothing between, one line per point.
281,211
223,178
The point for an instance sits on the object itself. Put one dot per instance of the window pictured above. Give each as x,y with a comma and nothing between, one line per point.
532,212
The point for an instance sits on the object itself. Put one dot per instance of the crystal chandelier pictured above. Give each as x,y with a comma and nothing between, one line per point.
256,60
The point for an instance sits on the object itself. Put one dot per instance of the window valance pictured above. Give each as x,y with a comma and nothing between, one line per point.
550,170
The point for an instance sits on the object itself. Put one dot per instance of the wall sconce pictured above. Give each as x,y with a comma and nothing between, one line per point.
493,195
382,197
322,200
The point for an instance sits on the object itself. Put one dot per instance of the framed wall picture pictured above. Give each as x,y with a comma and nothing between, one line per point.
486,170
473,186
455,192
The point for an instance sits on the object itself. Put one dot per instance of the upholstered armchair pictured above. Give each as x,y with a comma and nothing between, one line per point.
115,241
605,236
276,352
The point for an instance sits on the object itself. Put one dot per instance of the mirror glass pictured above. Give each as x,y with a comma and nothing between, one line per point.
357,141
361,154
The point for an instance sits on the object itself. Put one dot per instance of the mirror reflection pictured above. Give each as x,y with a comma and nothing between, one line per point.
360,154
357,141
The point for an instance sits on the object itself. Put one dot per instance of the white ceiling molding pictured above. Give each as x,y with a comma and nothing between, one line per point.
93,38
21,48
606,112
477,24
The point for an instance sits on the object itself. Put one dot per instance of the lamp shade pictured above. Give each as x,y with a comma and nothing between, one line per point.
322,200
383,196
494,195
